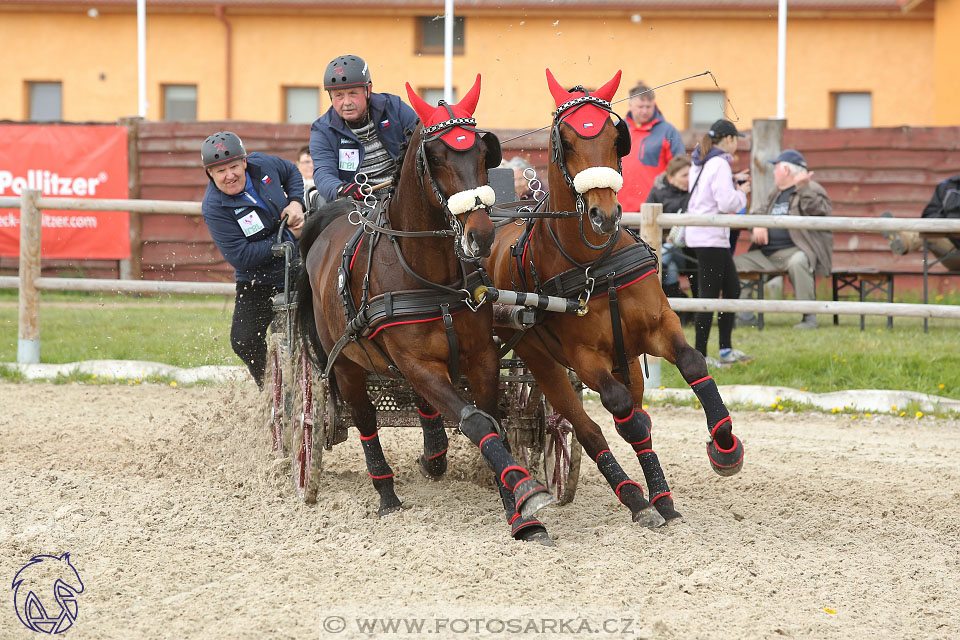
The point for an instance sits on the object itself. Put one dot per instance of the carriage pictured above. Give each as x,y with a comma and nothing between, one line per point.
305,418
441,256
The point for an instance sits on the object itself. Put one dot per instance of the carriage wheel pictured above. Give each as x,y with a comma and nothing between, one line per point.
309,428
275,382
561,458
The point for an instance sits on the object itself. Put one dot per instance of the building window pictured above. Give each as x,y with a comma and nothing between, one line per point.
44,101
433,95
852,110
180,102
704,108
301,104
429,36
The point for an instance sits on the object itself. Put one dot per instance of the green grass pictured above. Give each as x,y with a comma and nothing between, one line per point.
190,331
837,358
184,331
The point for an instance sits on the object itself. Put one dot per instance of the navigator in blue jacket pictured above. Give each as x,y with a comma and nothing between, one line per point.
361,132
246,198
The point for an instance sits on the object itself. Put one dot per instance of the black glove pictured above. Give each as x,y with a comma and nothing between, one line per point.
350,190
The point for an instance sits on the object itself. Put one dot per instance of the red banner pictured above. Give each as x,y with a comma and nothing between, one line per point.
67,161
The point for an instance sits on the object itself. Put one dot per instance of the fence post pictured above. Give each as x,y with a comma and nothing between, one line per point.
767,144
134,267
28,346
652,233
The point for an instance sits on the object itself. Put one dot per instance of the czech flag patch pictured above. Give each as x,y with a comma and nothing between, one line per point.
266,180
385,124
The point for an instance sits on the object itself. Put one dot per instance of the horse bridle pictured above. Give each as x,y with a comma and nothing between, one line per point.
562,112
429,134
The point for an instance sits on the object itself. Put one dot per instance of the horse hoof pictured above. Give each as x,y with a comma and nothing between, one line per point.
540,537
531,496
432,469
649,518
388,509
726,462
668,511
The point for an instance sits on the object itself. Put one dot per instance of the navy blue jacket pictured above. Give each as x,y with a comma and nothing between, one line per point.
945,202
278,183
329,134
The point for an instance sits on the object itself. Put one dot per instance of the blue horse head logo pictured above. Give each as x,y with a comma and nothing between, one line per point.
45,594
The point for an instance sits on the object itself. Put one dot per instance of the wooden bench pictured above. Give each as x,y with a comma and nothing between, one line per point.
927,263
754,281
865,281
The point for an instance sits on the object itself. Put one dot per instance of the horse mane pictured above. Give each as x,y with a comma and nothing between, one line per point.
404,146
317,222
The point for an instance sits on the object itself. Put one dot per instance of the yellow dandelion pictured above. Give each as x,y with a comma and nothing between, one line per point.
173,384
894,408
645,407
903,413
662,387
830,611
835,410
938,297
853,417
879,330
779,407
941,386
773,404
93,377
843,360
778,398
803,388
918,414
761,409
866,415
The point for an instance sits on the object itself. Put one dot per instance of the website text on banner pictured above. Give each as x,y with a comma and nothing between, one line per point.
67,161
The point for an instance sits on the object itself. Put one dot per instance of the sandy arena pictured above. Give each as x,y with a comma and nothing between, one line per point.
181,524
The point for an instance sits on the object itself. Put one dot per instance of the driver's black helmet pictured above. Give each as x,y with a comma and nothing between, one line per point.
345,72
221,147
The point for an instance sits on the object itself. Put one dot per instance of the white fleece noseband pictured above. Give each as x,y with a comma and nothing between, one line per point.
598,178
473,199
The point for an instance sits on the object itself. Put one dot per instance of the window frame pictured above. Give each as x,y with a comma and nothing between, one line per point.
688,103
835,101
422,49
28,99
285,102
163,101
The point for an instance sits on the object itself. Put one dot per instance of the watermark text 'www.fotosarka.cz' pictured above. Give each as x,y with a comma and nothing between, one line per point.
475,625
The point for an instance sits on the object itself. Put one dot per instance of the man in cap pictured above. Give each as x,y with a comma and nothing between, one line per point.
801,253
246,198
361,132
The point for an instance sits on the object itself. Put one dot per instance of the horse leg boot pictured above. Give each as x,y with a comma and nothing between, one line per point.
380,472
619,402
433,462
481,429
724,449
635,429
526,529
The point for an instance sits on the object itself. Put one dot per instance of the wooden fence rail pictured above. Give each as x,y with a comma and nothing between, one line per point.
651,221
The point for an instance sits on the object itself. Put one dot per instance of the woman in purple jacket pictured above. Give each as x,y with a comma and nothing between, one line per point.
713,191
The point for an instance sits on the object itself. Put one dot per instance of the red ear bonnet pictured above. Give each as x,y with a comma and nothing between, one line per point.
455,137
588,119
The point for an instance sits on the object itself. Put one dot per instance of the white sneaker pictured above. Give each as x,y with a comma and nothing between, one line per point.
713,363
734,357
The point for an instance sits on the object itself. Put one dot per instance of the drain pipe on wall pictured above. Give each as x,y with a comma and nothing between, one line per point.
228,65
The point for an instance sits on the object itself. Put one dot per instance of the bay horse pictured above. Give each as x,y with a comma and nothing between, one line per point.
585,255
386,292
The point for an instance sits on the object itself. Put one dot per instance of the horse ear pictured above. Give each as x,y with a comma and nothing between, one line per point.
623,138
469,102
422,107
494,155
607,91
560,95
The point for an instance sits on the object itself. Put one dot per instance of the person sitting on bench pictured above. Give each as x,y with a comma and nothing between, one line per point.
800,252
945,203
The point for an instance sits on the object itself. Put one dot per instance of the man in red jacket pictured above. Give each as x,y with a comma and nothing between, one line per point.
654,141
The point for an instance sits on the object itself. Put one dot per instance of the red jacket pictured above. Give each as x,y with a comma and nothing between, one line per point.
652,145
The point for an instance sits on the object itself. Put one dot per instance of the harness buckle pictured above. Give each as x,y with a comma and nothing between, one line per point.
469,300
587,292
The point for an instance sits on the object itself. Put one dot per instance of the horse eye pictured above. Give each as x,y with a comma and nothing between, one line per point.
566,145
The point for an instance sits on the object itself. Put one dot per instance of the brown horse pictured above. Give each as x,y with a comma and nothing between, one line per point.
402,278
586,255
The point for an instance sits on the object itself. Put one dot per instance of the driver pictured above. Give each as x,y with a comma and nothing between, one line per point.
246,197
361,132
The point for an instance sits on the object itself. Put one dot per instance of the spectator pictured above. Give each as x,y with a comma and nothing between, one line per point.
520,183
945,203
653,142
801,253
245,200
361,132
713,192
670,190
305,164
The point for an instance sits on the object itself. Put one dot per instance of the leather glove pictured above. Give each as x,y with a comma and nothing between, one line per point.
350,190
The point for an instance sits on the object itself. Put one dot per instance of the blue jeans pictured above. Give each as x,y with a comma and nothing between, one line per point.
672,262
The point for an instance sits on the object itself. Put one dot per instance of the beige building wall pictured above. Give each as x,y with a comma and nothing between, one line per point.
906,62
